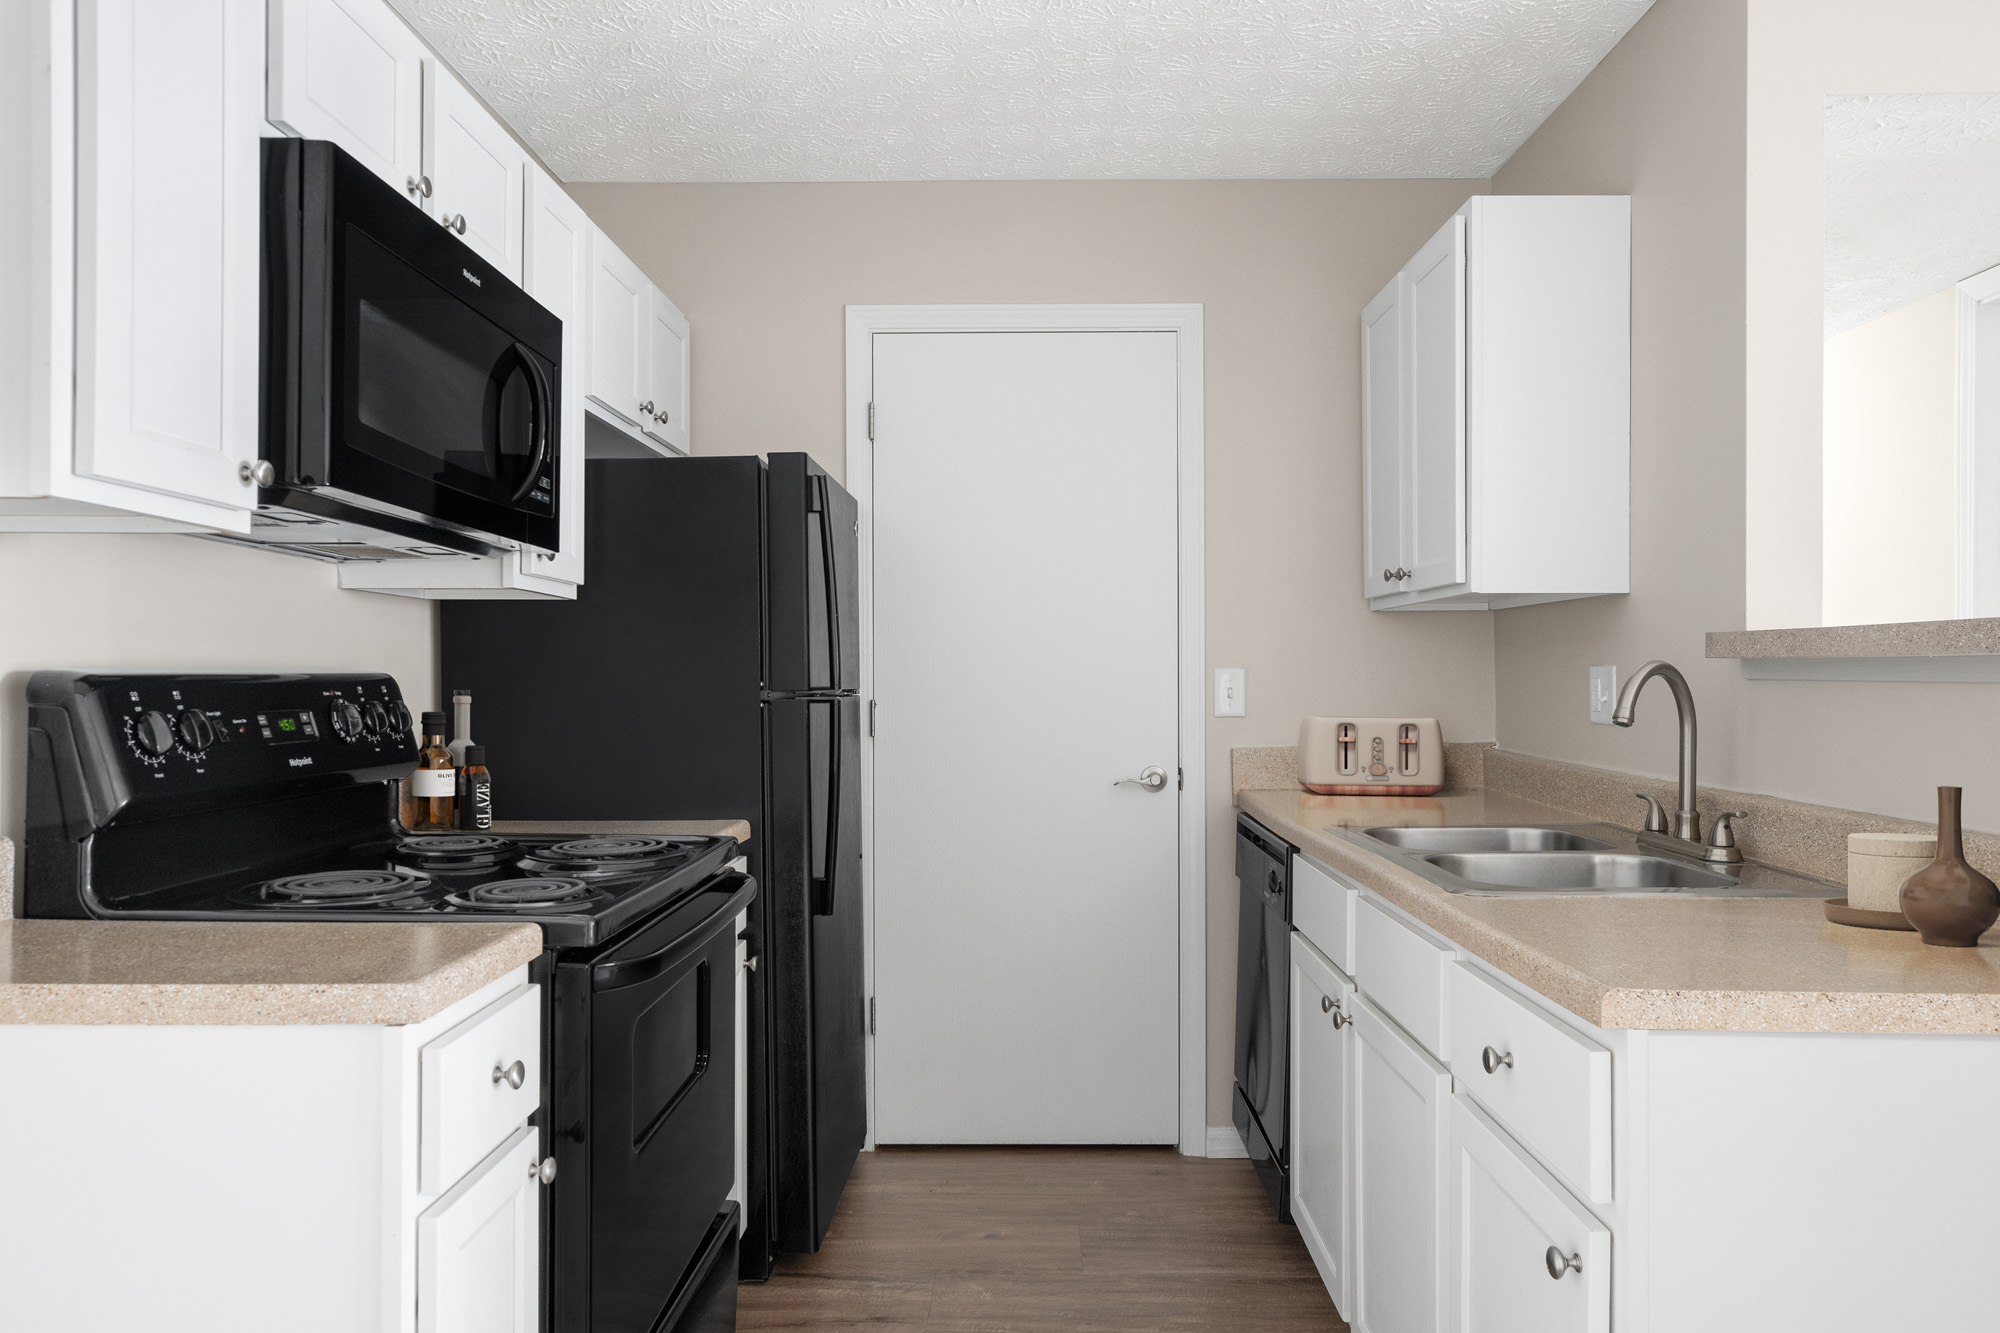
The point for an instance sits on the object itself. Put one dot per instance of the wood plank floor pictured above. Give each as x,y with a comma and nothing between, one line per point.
989,1240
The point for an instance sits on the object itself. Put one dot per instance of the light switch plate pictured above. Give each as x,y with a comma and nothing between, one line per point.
1603,693
1229,691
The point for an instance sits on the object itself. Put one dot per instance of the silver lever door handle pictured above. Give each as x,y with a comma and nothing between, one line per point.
1152,778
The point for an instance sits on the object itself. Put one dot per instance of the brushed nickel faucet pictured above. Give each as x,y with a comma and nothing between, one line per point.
1685,839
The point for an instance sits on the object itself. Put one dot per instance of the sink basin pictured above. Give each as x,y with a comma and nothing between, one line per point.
1545,871
1478,838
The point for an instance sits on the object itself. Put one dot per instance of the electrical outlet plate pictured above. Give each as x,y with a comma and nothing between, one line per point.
1603,693
1229,691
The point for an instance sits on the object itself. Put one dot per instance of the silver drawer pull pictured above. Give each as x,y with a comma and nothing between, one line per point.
544,1170
1340,1020
1490,1060
513,1075
1326,1004
1560,1263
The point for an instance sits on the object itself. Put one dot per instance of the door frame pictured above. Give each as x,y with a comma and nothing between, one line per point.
1184,322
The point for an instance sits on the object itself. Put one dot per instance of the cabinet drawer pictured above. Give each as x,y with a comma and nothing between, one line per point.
1404,972
1549,1086
1323,911
1522,1254
469,1099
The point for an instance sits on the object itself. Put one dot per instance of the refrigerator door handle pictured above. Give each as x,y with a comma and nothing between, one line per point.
831,569
824,885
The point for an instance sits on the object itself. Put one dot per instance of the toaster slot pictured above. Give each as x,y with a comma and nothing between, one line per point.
1408,751
1347,747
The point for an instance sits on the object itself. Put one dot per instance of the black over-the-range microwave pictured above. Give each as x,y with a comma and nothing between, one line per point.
410,390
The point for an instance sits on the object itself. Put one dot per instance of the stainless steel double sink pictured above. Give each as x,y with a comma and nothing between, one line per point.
1594,859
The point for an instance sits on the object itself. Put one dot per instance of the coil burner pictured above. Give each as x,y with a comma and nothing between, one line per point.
610,854
456,851
540,894
345,888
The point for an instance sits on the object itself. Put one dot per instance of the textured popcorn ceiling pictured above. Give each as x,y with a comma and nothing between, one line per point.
810,90
1912,198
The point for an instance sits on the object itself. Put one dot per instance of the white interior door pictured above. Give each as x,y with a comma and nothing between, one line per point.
1026,654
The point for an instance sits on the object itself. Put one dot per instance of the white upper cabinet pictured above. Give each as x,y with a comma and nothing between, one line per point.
1496,374
665,406
619,313
475,170
169,99
351,72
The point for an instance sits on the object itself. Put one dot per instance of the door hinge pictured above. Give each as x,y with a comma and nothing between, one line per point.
871,1015
871,719
871,421
1180,779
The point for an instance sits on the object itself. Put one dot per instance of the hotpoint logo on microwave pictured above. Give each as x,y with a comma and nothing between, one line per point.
470,278
301,761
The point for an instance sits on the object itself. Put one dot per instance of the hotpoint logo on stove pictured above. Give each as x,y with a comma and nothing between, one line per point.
472,277
301,761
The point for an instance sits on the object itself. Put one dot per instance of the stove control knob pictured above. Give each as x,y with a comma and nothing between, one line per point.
401,713
376,718
195,731
346,721
152,734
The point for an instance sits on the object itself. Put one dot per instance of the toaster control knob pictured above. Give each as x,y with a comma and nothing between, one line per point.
195,731
346,721
152,734
376,718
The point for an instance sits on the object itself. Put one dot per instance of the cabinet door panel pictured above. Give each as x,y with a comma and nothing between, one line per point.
1401,1097
351,72
666,372
1507,1214
475,169
1384,420
170,103
478,1255
1322,1009
1435,459
618,314
556,272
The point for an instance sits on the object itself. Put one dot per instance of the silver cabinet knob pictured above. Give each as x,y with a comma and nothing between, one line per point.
1560,1263
1491,1060
259,473
513,1075
419,186
647,407
1152,778
457,224
1340,1020
1326,1004
1388,576
544,1170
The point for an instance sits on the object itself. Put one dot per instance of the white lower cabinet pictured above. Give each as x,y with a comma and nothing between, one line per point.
1401,1097
1322,1114
1524,1256
478,1247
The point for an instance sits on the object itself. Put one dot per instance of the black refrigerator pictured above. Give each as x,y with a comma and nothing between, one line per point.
708,669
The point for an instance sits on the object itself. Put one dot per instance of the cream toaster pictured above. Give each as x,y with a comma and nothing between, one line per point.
1371,756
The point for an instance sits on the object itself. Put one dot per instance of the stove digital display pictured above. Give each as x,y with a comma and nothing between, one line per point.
288,728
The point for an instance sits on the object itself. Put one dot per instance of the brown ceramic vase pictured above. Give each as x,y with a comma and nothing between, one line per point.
1948,901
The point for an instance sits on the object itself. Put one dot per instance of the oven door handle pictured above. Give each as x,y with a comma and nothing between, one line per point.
637,971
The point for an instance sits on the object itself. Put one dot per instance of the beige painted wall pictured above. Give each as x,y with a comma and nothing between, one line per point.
1890,465
165,603
1282,270
1665,117
1798,52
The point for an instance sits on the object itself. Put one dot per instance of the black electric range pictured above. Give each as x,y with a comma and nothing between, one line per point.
274,798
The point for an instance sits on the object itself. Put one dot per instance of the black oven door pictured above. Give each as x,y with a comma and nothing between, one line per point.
425,383
647,1146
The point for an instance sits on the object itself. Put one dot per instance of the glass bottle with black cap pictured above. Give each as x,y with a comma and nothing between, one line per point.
430,795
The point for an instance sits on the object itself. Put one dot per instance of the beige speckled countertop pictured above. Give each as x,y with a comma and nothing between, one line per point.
199,972
738,829
1660,962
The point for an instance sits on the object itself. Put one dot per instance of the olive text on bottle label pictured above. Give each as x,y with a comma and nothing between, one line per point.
433,782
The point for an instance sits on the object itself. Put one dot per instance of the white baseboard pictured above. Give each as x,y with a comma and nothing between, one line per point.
1224,1141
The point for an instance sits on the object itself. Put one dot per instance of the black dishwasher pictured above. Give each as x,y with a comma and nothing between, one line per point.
1263,976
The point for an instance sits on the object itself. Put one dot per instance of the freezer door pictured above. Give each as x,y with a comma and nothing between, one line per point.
811,568
818,997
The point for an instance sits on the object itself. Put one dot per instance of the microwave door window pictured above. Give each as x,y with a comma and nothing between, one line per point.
438,390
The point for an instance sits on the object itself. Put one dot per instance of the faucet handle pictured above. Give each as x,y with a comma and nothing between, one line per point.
1656,814
1722,835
